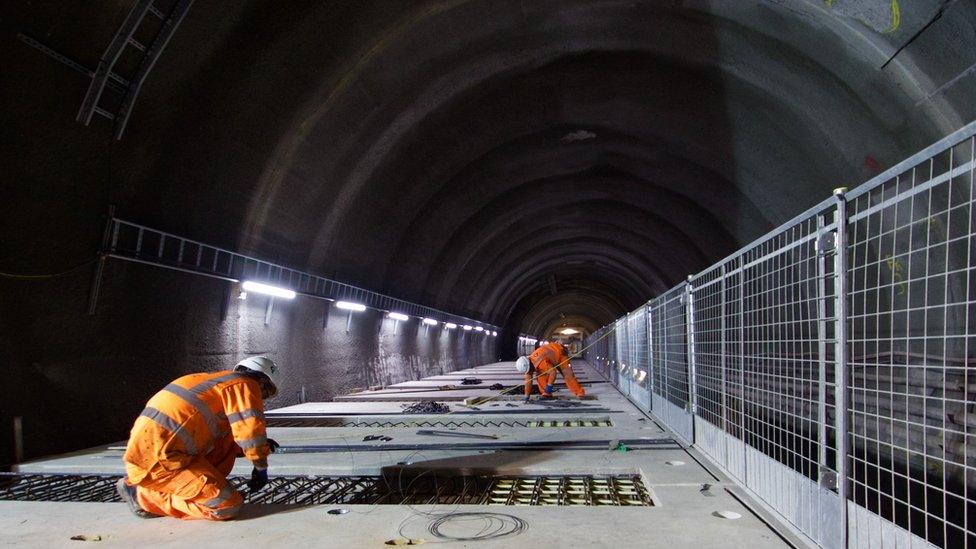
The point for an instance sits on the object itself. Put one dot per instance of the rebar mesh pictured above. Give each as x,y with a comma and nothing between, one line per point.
401,488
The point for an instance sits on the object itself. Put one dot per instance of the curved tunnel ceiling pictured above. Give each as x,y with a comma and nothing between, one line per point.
529,163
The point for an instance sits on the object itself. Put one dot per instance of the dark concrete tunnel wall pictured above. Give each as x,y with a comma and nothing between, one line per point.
529,164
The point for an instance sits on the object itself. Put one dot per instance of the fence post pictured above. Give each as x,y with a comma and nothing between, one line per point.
650,356
841,367
690,325
742,368
821,250
721,369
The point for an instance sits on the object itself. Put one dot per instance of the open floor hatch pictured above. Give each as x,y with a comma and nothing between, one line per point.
399,488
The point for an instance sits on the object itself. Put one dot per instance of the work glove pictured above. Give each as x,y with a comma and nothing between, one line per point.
273,444
259,479
549,390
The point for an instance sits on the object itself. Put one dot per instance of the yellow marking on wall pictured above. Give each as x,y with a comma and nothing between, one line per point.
897,273
895,16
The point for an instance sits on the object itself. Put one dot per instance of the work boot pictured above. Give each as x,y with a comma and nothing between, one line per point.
128,495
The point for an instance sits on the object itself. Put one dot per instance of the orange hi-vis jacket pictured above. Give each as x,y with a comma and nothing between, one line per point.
546,360
193,415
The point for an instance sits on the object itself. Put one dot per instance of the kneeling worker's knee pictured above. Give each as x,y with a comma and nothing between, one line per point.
225,513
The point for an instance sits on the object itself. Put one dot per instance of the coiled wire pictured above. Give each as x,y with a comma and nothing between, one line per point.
495,526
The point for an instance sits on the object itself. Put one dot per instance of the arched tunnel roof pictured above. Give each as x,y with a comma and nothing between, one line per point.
527,163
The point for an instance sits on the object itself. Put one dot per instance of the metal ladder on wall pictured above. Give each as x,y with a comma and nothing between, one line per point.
104,75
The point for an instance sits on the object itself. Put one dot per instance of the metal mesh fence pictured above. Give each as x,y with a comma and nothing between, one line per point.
670,352
733,349
780,360
637,346
912,345
834,357
709,350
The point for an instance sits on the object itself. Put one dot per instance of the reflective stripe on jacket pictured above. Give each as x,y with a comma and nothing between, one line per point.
548,356
544,359
190,415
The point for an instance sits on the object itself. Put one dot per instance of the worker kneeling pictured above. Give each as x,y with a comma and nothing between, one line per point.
183,445
542,365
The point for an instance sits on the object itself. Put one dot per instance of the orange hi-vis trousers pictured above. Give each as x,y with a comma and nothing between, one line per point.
198,491
572,383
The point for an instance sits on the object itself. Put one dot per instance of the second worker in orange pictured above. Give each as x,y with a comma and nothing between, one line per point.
542,365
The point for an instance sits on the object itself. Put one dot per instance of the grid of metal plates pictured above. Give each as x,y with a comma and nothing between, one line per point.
569,490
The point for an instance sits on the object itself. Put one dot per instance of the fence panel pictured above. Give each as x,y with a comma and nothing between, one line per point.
669,349
638,364
620,340
826,365
912,292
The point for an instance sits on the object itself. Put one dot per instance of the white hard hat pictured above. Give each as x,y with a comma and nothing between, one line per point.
522,365
262,365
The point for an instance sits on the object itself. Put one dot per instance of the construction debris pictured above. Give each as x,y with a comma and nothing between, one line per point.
471,381
556,403
425,407
430,432
383,438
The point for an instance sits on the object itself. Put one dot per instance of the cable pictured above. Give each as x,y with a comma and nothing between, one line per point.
46,276
496,525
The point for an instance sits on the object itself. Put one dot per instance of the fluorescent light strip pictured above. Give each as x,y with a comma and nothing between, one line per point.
267,289
450,325
467,328
479,329
349,306
398,316
430,321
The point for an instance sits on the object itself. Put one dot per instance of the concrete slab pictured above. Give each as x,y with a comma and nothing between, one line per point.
671,525
683,515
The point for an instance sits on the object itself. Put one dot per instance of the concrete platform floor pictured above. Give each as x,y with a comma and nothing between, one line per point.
683,515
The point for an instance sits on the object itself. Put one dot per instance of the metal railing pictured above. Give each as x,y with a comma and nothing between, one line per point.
826,366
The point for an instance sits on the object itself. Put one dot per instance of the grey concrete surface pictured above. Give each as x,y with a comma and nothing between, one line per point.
682,515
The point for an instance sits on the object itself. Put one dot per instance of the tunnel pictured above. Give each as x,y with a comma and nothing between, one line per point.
537,170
